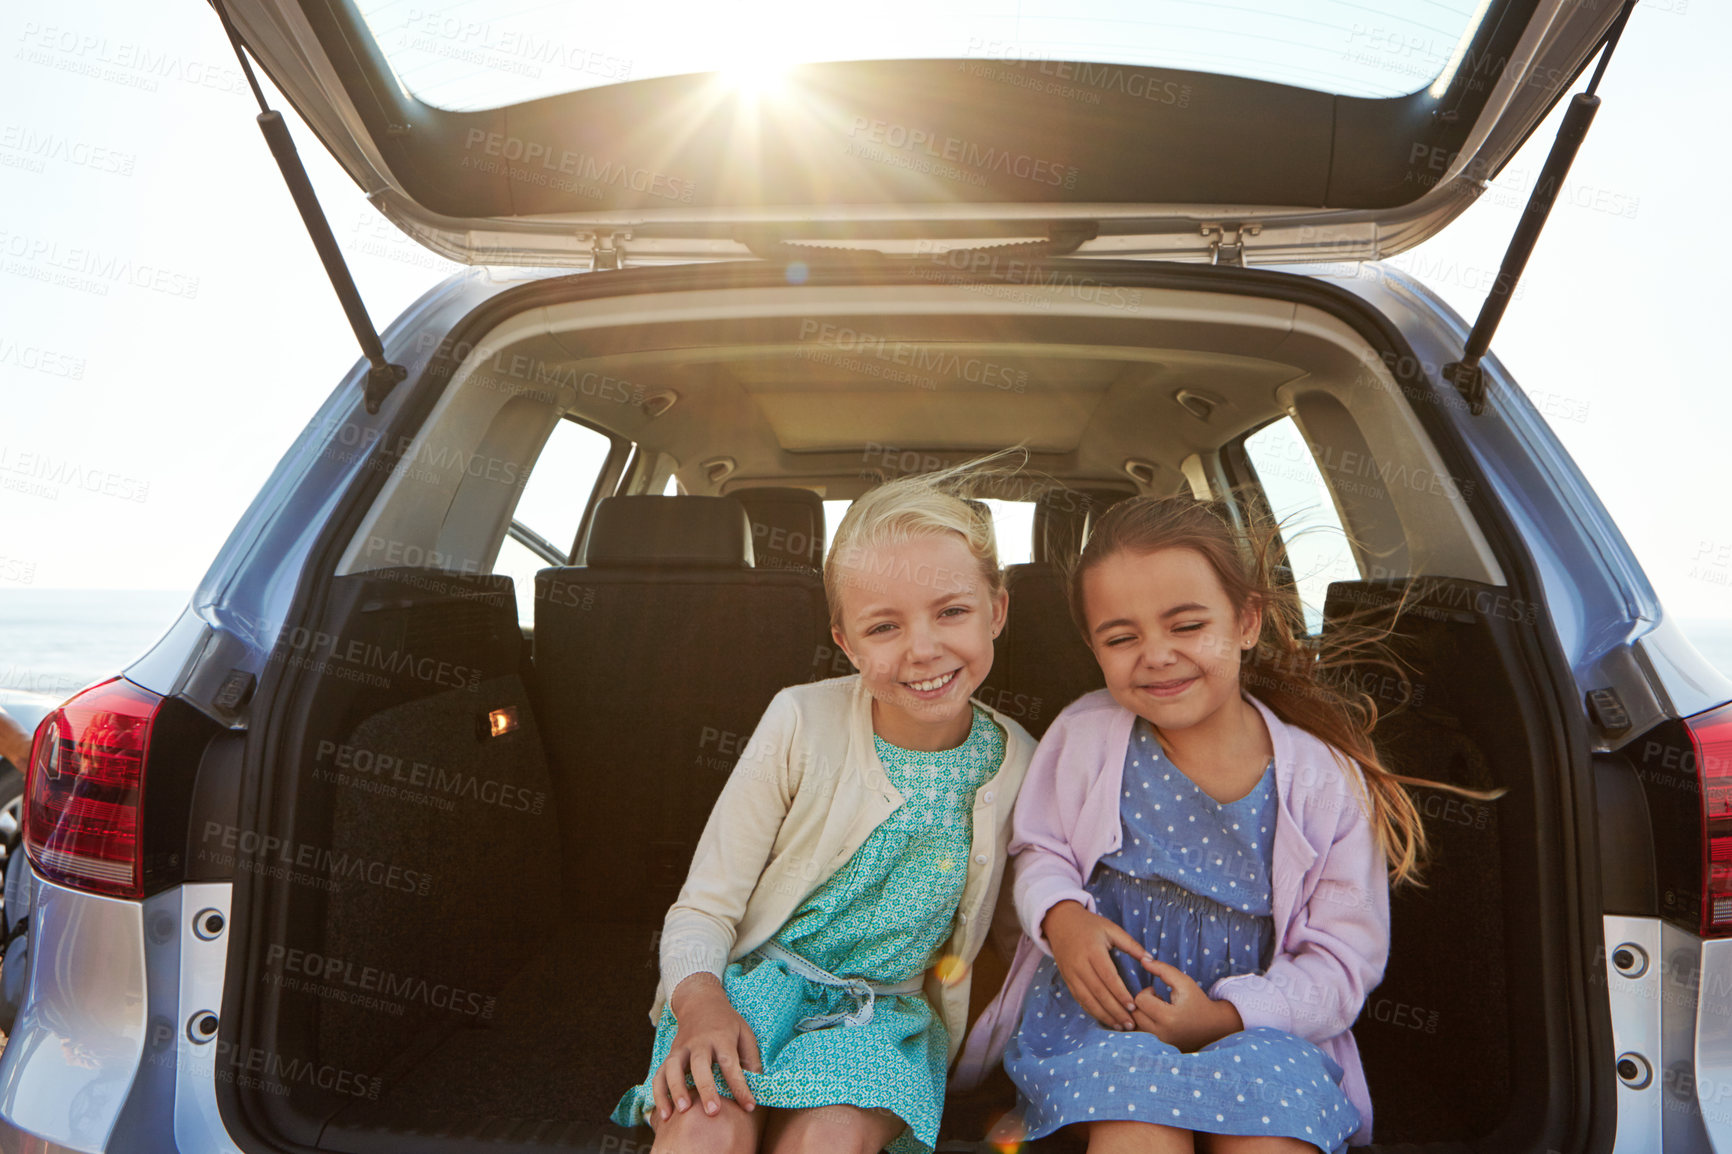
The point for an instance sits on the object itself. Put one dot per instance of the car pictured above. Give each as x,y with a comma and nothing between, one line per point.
371,849
26,709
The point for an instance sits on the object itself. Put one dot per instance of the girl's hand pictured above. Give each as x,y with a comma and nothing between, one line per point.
1192,1019
1082,943
710,1031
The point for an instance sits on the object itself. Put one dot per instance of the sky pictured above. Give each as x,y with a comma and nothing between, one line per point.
140,412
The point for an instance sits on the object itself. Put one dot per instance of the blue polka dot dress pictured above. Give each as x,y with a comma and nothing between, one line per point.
1191,881
882,916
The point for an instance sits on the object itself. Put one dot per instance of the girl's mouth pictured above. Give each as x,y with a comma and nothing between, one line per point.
933,686
1167,688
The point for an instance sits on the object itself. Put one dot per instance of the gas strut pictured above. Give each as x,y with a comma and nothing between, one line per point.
383,376
1467,374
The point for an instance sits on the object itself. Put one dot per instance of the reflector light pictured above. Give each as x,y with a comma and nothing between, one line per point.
502,721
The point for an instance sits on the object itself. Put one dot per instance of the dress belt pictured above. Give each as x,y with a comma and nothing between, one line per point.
862,991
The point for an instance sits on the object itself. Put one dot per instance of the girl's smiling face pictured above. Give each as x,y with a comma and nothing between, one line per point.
1166,636
918,620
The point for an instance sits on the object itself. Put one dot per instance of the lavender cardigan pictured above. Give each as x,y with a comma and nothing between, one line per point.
1331,888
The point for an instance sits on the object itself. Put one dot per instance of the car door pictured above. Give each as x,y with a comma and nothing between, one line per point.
591,138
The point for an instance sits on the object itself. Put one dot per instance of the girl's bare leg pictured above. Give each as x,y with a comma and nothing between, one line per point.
731,1130
1253,1144
831,1130
1138,1138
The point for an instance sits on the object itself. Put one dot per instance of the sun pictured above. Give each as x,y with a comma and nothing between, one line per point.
761,77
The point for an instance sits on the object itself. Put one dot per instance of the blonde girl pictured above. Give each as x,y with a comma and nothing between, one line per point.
815,968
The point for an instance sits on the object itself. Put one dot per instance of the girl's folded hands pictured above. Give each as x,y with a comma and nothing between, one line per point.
1082,943
1191,1019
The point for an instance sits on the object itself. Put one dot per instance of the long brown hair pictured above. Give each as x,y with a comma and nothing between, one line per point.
1302,681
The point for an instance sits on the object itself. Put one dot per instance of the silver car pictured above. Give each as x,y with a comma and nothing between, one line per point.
369,851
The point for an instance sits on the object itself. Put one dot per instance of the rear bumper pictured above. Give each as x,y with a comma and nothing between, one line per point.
101,1056
1670,995
1713,1041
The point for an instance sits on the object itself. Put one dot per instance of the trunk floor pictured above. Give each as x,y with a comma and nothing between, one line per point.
571,1033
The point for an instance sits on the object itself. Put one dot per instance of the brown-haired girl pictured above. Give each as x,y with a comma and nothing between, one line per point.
1219,816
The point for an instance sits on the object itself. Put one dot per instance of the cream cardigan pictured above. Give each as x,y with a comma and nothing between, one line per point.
807,792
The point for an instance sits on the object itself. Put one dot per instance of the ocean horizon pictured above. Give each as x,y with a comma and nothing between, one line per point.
56,641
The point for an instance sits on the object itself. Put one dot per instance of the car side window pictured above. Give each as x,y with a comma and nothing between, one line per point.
551,508
1311,531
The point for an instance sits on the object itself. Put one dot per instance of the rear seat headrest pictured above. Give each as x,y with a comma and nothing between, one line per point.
787,526
670,532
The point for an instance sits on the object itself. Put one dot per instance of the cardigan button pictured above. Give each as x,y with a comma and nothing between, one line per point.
979,859
987,797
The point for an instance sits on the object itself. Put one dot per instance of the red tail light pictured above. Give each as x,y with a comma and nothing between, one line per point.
84,789
1711,737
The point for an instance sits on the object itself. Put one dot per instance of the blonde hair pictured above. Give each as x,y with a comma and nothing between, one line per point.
920,505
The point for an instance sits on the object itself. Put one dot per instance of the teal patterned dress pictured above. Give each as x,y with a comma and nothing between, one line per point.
881,916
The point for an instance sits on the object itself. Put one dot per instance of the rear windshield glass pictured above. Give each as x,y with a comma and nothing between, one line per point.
474,54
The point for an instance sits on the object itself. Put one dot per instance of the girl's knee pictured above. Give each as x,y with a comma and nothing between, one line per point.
833,1130
730,1130
1142,1137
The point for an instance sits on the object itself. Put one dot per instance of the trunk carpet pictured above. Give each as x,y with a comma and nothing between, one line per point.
570,1034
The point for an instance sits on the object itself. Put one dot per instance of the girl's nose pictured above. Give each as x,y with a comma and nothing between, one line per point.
1156,653
923,643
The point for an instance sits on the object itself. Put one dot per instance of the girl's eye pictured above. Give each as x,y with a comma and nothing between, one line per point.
954,609
1121,639
879,628
1191,628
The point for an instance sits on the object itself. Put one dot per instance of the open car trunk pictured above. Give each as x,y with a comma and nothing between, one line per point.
482,835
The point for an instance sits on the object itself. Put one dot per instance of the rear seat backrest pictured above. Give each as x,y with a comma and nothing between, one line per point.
653,666
1040,664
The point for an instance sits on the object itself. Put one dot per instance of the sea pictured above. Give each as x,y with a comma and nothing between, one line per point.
56,641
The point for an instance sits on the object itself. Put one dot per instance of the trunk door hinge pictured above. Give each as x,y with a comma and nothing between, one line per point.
382,376
1227,241
607,250
1467,375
